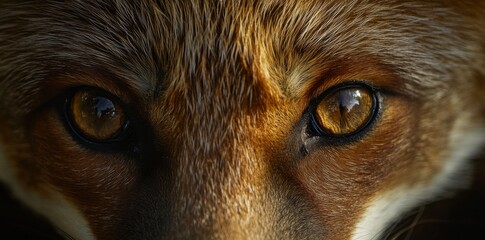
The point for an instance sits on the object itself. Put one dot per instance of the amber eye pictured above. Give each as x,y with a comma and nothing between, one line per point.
95,115
345,111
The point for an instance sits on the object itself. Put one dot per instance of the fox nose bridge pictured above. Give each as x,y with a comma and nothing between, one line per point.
218,176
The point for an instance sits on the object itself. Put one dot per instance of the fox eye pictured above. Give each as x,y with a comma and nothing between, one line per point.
344,111
96,116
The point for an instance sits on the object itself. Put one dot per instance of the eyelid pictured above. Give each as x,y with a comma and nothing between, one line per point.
348,84
366,69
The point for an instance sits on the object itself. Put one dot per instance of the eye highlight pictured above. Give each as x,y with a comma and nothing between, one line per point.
344,111
95,115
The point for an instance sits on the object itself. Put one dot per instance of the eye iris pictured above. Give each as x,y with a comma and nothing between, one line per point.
96,116
345,111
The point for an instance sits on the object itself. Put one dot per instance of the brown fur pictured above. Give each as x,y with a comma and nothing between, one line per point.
218,92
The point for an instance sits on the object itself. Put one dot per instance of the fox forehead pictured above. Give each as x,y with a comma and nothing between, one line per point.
151,46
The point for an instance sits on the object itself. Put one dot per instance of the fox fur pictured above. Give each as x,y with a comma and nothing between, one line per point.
217,92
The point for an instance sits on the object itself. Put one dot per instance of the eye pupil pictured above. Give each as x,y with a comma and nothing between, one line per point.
347,99
345,111
95,115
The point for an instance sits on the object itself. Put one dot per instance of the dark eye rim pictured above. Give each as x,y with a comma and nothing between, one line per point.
120,137
315,130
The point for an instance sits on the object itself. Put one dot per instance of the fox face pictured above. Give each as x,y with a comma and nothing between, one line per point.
237,119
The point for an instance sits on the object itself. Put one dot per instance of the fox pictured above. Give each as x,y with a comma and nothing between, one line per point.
159,119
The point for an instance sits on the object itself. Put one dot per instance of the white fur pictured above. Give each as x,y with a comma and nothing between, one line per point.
56,208
387,208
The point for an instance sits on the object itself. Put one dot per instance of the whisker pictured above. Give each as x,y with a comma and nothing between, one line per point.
411,227
64,234
399,224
